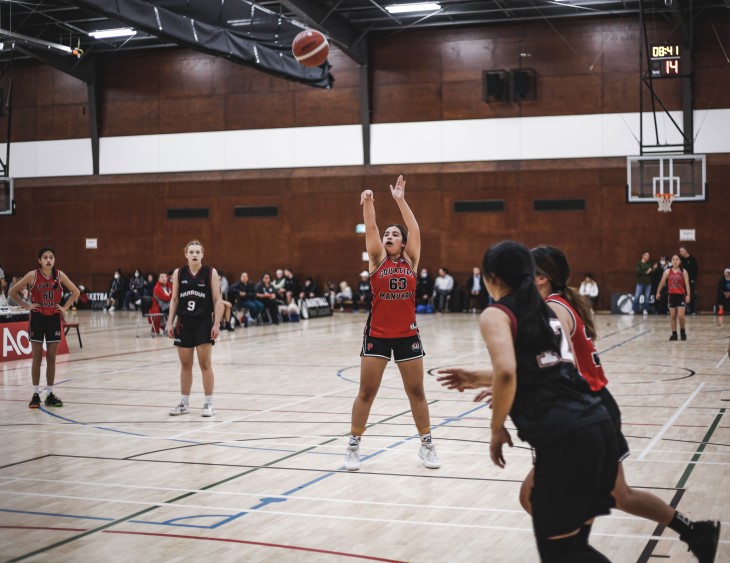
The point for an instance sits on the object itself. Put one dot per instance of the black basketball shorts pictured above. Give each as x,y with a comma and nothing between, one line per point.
676,300
574,477
193,331
44,327
401,349
615,413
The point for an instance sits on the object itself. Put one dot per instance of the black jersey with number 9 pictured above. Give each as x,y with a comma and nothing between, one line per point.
194,292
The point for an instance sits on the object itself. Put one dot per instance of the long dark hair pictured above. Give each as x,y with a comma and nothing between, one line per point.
42,251
512,263
552,263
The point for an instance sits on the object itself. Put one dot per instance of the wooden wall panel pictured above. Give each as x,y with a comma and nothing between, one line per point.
583,66
319,208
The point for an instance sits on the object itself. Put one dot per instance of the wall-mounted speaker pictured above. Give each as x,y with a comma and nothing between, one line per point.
523,84
516,85
496,86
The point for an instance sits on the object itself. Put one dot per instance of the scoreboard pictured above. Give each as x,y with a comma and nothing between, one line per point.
665,61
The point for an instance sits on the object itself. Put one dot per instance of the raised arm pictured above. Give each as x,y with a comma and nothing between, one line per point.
413,247
373,242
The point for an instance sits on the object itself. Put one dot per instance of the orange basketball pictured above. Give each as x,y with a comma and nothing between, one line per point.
310,48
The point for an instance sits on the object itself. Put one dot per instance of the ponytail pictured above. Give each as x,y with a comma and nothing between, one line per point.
552,263
534,320
511,262
582,307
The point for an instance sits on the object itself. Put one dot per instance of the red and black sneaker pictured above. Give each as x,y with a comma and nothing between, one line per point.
35,402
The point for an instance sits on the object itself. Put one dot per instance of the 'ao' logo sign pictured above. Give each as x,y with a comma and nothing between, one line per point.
16,342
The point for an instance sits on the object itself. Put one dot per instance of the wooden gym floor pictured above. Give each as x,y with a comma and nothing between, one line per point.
112,477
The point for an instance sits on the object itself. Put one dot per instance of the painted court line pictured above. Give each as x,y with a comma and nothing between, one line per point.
722,360
668,424
410,522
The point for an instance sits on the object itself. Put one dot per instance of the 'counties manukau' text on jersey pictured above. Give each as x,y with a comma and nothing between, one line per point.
46,292
195,296
393,313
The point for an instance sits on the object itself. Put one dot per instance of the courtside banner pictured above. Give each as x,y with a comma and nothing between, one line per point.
16,343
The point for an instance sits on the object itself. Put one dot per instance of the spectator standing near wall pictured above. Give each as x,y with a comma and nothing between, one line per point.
723,293
643,269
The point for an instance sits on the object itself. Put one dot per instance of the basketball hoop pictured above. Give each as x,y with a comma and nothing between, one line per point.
665,202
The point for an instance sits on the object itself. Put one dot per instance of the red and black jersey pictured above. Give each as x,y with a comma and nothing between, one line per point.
46,292
586,357
393,313
552,398
194,292
675,282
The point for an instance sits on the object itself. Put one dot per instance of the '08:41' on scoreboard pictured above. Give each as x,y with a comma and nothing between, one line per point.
665,61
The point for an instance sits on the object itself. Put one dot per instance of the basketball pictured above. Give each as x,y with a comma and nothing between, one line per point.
310,48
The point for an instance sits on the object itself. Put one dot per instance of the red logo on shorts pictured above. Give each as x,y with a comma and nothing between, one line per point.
370,346
415,346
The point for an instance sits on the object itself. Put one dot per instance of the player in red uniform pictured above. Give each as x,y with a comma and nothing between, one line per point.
391,327
679,295
46,289
552,273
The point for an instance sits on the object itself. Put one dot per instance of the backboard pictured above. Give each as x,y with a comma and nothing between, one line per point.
683,176
7,201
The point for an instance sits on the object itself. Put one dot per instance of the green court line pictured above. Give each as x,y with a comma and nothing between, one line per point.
186,495
700,449
167,502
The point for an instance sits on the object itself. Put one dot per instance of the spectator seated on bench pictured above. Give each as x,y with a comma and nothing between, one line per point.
159,307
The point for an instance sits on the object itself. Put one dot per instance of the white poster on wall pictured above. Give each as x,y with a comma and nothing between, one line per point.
687,235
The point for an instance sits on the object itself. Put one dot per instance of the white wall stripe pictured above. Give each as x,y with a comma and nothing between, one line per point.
523,138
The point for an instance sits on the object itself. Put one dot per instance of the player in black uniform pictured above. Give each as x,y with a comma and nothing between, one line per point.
196,299
537,384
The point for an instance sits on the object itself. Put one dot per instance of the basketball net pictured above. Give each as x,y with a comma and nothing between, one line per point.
665,202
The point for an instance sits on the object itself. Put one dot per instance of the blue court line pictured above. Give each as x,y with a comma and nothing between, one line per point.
45,410
624,342
72,421
270,500
263,502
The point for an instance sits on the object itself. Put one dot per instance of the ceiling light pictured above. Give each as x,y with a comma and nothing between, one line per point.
420,7
109,33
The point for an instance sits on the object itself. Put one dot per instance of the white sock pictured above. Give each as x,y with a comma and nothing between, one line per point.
209,398
36,388
426,439
49,389
185,399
